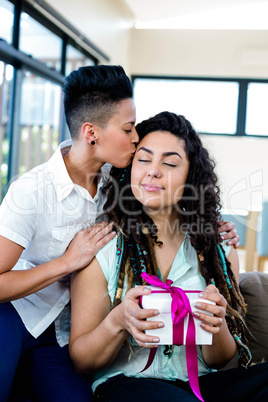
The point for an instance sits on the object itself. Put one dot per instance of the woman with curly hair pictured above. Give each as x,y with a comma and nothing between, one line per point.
166,208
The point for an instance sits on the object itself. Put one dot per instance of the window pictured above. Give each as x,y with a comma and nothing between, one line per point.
213,105
257,107
35,56
6,78
6,20
39,42
39,121
210,105
76,59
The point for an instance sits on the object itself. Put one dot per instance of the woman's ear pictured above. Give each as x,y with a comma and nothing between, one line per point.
89,132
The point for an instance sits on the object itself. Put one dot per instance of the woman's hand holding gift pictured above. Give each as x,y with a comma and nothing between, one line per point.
211,323
133,318
223,347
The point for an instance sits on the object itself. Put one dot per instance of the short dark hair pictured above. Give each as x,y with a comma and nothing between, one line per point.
92,94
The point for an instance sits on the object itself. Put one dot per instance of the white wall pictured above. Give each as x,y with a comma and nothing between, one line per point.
105,23
242,168
199,53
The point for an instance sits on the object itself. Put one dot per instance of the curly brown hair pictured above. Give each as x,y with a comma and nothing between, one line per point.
139,233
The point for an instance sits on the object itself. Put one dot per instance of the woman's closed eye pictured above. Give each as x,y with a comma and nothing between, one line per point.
169,164
144,160
164,163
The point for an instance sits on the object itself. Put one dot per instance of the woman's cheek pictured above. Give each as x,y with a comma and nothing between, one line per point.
135,175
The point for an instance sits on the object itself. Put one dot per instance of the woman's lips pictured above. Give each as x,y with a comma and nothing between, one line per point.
151,187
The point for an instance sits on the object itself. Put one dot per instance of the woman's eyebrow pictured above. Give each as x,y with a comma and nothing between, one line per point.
129,122
145,149
163,154
172,153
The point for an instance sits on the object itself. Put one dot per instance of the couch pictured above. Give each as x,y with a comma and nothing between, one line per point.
254,287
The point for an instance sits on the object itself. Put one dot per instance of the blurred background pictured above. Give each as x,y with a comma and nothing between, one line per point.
207,60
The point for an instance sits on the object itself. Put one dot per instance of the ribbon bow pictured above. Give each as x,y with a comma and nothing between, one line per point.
180,308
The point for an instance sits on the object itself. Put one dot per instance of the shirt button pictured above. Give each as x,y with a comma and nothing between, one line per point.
61,305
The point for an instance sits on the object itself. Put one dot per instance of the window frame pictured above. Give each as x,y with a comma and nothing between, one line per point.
10,54
242,98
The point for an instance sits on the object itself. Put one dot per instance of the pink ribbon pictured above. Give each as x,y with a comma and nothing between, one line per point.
180,308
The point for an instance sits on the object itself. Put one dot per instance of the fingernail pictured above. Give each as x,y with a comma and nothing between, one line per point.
196,314
198,304
156,340
222,237
161,325
156,312
146,289
201,294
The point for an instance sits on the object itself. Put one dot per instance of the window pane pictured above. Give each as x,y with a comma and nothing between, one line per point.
76,59
39,121
257,109
39,42
6,20
6,77
210,105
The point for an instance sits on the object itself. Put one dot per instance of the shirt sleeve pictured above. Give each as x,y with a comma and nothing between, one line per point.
18,213
226,248
106,257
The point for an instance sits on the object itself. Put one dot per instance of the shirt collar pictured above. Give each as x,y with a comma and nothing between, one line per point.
61,180
59,175
180,265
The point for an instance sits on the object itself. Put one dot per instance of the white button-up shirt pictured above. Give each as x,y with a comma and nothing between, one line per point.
42,211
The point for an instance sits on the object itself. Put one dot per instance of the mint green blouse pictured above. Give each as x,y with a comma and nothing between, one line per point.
184,273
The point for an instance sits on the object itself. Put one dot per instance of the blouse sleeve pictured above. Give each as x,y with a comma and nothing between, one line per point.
106,258
226,248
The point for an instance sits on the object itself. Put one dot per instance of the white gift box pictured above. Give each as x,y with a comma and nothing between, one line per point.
162,302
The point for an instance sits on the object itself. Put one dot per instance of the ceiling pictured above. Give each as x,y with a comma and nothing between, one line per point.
196,14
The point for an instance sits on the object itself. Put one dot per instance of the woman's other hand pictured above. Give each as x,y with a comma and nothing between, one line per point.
223,346
86,244
211,323
231,233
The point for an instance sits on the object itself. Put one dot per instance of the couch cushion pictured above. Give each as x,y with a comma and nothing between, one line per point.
254,287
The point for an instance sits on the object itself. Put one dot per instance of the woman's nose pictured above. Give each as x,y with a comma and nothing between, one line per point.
153,172
135,137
